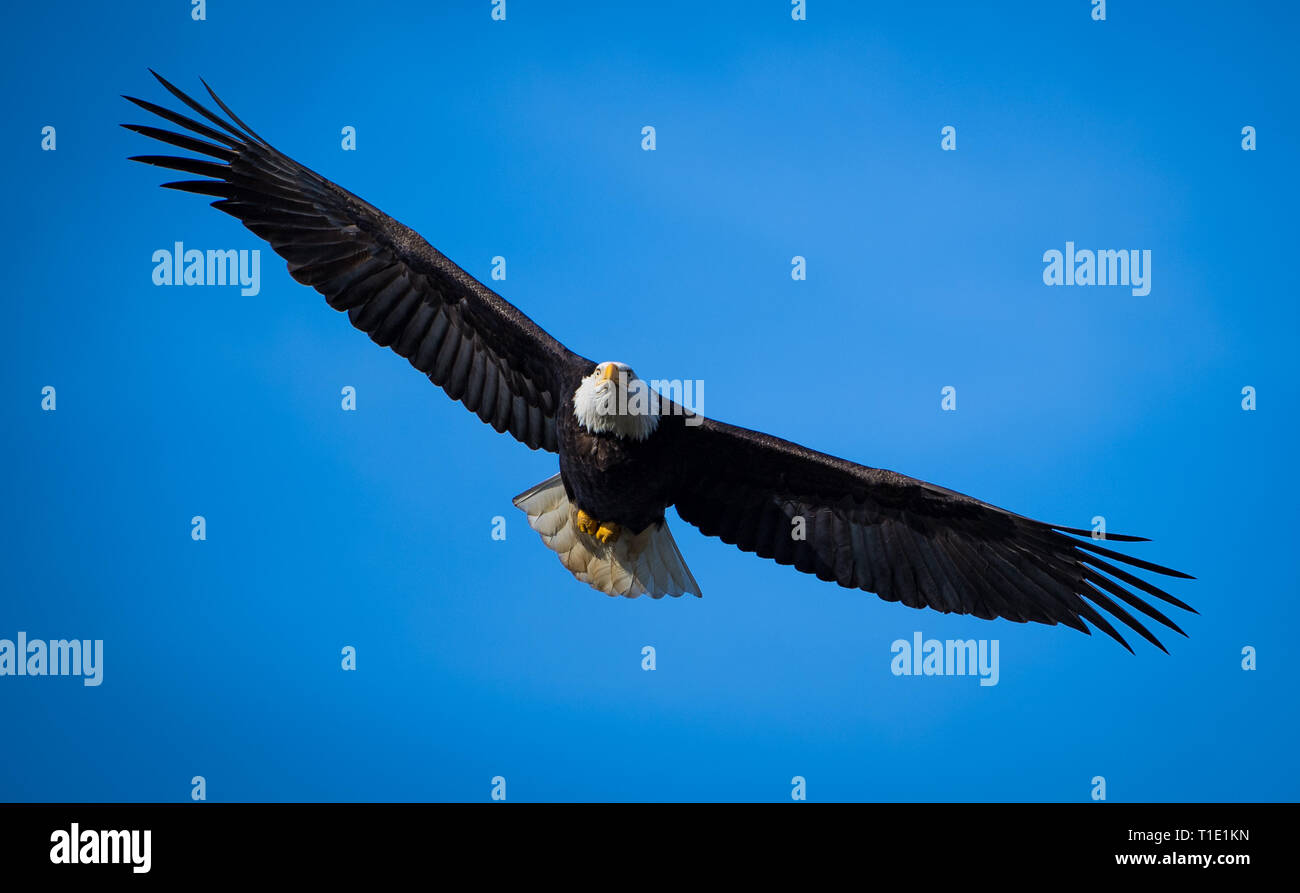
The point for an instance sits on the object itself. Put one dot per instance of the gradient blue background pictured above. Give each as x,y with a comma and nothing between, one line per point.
480,658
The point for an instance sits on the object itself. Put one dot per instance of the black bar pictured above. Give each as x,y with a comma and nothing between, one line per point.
246,841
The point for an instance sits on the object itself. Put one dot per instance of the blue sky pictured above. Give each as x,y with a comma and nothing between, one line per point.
479,658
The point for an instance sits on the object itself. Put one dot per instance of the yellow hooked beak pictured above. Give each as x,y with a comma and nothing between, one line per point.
609,372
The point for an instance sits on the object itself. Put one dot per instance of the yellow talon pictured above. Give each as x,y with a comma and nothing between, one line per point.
587,524
608,532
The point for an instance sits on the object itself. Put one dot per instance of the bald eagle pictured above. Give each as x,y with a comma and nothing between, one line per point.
623,462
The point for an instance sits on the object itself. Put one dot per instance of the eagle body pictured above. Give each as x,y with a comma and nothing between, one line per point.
621,467
613,478
603,514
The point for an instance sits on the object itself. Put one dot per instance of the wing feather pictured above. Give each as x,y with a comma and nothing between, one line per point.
907,540
394,285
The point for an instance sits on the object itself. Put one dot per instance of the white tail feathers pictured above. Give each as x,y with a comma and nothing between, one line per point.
645,563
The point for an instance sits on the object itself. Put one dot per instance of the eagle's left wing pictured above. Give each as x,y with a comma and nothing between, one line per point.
902,538
395,286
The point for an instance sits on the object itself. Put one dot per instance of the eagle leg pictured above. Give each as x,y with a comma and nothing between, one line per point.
608,532
587,524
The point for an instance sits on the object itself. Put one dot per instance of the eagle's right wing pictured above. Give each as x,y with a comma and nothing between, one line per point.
396,287
904,539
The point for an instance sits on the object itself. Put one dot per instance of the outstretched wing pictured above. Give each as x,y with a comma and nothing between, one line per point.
904,539
395,286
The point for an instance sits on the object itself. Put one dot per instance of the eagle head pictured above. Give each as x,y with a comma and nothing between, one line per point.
612,400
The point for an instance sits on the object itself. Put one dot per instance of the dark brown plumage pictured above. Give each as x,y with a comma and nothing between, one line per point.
904,539
395,286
